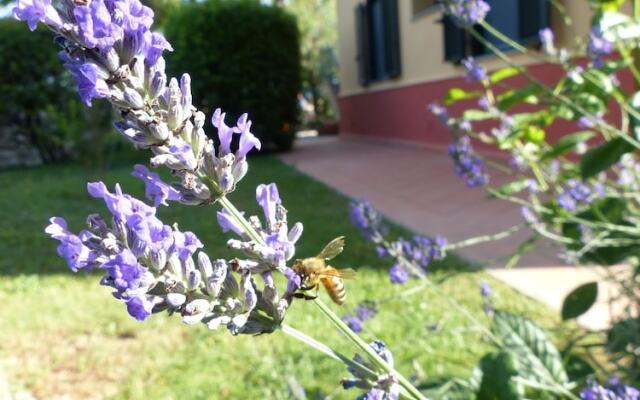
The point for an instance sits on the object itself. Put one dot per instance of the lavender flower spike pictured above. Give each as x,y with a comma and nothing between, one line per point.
34,11
385,387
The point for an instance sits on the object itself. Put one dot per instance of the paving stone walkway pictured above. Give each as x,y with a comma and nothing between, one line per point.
416,187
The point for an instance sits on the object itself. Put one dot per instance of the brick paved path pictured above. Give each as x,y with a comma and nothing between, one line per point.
417,188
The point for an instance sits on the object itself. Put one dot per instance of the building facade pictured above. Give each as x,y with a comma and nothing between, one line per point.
398,56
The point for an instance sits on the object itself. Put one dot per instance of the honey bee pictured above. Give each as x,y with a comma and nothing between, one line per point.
315,270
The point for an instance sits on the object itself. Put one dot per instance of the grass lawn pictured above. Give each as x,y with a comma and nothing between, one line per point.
63,335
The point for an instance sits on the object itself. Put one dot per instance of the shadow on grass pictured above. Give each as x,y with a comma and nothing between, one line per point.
31,196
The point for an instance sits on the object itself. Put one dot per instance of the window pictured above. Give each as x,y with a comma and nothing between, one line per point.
521,20
378,40
422,5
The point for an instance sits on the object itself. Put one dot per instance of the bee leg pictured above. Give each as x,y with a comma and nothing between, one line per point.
305,296
305,288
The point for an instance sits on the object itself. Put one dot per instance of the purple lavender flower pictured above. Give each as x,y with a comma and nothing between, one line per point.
574,194
398,274
614,389
367,219
589,121
185,244
598,46
228,223
136,17
268,198
248,141
484,103
89,78
97,28
546,38
353,322
139,307
119,204
485,289
439,111
475,72
72,247
467,165
154,45
364,311
155,189
466,12
125,273
34,11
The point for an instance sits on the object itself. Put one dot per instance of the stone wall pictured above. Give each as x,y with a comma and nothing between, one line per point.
16,149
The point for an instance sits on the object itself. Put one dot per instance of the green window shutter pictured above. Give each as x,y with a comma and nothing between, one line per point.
392,39
533,16
362,39
454,40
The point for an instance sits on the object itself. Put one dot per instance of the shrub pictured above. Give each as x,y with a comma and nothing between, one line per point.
237,66
44,106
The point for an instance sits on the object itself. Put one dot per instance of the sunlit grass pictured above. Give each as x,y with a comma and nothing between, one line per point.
63,334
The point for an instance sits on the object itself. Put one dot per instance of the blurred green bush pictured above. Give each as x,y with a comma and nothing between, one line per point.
43,106
242,57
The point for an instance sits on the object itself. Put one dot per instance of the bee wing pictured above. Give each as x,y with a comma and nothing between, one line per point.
332,249
346,273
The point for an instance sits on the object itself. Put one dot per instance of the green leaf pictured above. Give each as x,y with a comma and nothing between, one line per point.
504,73
579,301
498,370
457,94
565,144
515,96
600,158
538,359
477,115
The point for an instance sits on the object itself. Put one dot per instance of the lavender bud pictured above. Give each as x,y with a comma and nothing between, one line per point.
204,265
240,169
226,181
188,266
112,60
185,88
96,222
137,68
174,265
194,280
174,117
216,322
175,300
199,119
133,98
159,131
195,311
158,259
158,84
295,232
217,278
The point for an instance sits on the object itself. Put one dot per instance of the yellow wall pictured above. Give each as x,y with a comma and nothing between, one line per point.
421,44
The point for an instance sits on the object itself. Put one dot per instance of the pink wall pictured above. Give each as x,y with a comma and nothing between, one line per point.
401,113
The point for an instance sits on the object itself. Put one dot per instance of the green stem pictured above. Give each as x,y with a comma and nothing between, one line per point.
326,350
482,239
364,347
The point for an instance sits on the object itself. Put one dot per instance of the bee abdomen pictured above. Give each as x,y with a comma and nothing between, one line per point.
335,289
